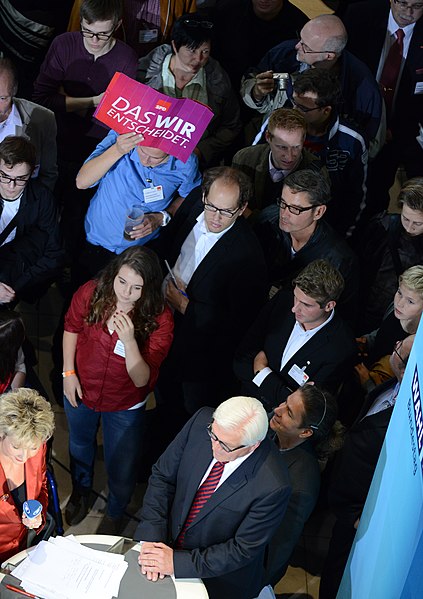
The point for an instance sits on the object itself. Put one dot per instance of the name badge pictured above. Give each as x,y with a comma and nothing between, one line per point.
299,376
419,88
153,194
119,348
148,35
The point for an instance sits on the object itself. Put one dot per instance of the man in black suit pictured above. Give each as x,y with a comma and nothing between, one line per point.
221,284
30,250
223,542
372,27
297,338
355,466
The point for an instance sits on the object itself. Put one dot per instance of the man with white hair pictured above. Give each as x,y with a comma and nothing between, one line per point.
322,44
214,499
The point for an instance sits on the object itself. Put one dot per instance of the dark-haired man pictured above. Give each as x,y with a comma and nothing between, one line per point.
297,336
302,235
30,251
22,117
337,142
298,425
73,78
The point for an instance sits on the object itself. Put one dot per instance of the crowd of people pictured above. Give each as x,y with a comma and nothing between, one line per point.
267,298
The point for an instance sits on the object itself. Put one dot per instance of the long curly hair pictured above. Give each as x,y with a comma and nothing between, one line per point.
151,303
12,334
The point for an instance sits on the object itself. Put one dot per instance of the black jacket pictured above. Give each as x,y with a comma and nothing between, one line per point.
35,254
325,243
326,357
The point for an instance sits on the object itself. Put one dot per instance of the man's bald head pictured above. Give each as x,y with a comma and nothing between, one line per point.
322,40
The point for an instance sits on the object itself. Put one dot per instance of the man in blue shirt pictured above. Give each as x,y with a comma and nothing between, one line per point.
128,174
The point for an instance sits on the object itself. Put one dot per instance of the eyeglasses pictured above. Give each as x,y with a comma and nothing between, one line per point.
221,443
194,24
222,211
18,181
304,49
407,6
397,347
294,209
302,107
103,36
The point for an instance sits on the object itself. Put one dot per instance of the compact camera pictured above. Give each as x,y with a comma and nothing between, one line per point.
282,79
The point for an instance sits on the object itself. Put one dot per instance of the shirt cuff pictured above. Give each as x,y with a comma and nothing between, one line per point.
260,376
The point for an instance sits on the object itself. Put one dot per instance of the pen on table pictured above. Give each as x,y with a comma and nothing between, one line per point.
20,591
175,282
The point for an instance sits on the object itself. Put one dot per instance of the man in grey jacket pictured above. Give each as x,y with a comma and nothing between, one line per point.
36,123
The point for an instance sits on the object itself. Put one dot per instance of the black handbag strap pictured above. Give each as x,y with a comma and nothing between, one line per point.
8,229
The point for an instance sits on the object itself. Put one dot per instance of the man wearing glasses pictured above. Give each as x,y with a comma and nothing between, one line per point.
221,283
322,44
73,77
301,235
388,36
214,499
337,142
355,466
30,251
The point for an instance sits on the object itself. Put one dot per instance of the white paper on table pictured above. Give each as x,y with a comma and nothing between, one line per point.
64,566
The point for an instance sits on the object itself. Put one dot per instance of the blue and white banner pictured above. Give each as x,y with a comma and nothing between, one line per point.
386,560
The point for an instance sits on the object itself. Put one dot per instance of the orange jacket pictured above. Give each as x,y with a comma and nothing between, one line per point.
13,533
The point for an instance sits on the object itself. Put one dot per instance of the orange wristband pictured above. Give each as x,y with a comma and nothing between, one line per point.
68,373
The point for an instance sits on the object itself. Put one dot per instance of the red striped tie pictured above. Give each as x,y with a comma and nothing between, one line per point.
201,497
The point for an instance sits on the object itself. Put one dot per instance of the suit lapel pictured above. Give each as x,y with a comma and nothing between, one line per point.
214,256
183,232
235,482
301,357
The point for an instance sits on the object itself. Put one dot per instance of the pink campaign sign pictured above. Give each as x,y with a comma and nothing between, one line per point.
172,125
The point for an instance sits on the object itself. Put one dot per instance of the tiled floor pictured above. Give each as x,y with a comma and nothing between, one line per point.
302,578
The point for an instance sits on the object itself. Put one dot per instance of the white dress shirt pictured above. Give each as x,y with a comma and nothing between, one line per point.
195,248
299,337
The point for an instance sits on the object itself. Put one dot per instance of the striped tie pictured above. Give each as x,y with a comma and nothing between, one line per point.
201,497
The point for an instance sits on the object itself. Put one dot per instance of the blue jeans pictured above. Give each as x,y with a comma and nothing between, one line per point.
122,433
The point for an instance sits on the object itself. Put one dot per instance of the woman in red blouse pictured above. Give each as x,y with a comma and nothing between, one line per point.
117,333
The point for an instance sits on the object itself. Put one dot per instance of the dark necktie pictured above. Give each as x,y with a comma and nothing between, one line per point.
391,70
201,497
1,205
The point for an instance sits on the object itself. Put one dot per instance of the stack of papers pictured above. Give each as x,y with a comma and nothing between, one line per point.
62,568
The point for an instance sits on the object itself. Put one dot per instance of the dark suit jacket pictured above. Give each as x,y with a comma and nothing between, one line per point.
366,23
35,254
327,356
356,462
225,293
304,475
225,543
